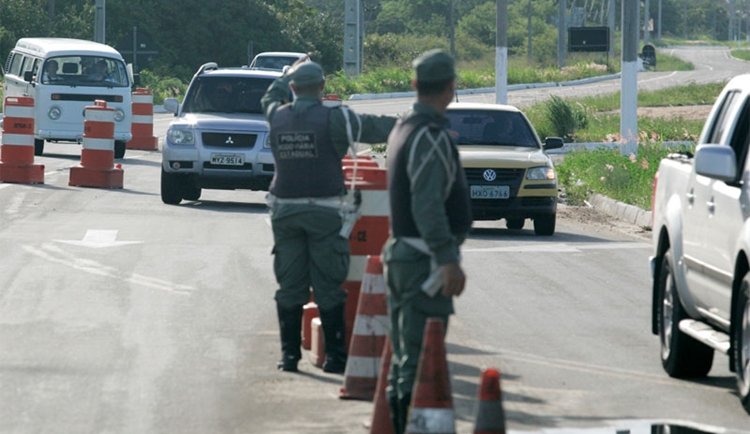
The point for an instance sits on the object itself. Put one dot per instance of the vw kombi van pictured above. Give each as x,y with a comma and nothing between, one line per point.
64,76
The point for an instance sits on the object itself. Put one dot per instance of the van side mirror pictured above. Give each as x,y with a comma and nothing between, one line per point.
28,76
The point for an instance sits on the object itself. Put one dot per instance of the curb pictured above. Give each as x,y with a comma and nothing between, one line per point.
621,211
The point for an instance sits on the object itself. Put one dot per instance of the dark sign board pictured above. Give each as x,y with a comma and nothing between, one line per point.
588,39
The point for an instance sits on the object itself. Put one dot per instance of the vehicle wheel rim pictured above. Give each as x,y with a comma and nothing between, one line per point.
666,317
745,349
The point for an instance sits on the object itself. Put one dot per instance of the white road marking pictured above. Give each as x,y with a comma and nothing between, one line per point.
98,239
55,254
557,248
2,186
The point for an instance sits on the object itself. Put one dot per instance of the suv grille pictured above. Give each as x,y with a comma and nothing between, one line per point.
229,140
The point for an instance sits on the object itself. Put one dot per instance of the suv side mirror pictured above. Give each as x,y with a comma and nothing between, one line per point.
553,143
717,162
28,76
171,105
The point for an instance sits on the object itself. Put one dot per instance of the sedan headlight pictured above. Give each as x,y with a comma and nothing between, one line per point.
181,136
54,113
119,115
540,173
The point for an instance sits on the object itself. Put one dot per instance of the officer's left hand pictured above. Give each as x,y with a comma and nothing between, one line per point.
454,280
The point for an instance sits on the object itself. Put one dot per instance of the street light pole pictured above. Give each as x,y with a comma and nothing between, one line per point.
562,30
501,52
629,82
99,21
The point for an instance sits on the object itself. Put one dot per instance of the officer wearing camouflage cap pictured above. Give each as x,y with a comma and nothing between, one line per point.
308,141
430,218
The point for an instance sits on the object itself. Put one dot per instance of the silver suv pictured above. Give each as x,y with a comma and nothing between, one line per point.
219,139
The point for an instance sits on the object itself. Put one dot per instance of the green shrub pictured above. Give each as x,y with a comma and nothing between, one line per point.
566,118
162,87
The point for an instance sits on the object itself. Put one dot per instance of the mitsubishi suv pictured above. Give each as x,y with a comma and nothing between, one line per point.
219,138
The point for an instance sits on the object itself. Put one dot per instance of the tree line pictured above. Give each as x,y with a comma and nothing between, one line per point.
187,33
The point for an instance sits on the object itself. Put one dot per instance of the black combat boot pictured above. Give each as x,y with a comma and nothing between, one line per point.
290,328
393,403
403,412
335,341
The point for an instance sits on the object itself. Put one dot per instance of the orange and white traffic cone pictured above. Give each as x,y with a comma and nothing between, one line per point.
97,168
368,336
142,126
17,150
490,417
431,409
381,415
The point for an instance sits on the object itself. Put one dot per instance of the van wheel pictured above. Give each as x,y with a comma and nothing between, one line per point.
741,343
681,355
545,224
171,190
119,149
514,223
38,146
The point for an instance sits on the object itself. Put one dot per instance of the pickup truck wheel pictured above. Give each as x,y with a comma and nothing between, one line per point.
191,191
171,189
741,344
514,223
38,147
545,225
681,355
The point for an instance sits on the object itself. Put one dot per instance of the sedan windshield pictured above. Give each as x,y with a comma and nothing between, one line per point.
492,128
226,95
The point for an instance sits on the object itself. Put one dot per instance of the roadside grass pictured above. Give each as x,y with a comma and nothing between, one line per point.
743,54
627,179
667,62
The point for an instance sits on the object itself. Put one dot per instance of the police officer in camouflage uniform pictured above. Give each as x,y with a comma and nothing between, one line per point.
430,217
308,141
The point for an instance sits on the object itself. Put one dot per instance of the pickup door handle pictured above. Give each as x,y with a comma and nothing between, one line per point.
690,197
711,206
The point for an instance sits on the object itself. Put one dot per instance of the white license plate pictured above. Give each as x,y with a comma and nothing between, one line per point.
228,159
490,192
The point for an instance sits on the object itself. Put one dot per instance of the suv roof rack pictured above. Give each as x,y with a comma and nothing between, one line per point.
208,67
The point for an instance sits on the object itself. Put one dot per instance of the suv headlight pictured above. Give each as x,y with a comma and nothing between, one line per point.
540,173
267,143
181,136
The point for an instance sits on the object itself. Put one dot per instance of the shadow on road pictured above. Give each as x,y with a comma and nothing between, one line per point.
218,206
528,235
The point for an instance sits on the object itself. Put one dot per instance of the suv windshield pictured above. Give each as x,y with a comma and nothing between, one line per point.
215,94
491,127
85,71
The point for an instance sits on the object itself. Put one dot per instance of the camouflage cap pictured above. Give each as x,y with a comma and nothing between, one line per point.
306,74
434,66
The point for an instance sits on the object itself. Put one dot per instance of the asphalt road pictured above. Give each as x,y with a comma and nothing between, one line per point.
121,314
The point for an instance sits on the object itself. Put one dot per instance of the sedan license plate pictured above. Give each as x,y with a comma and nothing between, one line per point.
228,159
490,192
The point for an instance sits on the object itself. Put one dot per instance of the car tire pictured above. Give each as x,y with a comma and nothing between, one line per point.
171,189
38,146
741,343
545,225
119,149
191,191
681,355
514,223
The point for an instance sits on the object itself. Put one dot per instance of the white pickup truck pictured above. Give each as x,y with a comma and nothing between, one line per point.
701,237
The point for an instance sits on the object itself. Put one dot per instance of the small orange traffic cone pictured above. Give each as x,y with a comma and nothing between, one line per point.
381,415
431,409
490,418
368,336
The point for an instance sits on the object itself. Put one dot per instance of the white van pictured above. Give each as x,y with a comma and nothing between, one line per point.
64,76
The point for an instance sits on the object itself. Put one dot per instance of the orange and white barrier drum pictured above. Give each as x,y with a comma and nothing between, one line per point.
97,168
17,149
142,126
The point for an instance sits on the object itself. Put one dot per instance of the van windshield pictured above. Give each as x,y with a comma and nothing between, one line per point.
93,71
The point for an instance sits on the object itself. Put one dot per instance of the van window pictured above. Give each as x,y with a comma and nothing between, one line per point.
15,66
28,64
85,71
9,61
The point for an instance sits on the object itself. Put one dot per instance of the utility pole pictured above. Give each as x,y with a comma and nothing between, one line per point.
501,52
629,82
452,28
611,12
562,32
528,25
352,37
646,22
51,10
658,18
100,21
731,20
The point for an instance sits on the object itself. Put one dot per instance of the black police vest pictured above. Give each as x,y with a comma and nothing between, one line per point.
307,164
457,205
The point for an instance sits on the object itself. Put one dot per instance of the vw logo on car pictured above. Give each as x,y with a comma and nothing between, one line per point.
489,175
